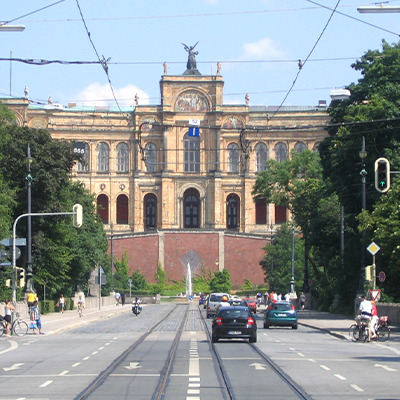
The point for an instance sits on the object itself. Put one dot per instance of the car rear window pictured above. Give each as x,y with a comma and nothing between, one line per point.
225,314
215,297
281,307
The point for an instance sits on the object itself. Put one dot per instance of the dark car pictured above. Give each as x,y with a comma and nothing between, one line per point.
234,322
252,304
281,313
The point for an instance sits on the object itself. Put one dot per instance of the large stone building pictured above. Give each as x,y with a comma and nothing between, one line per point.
173,181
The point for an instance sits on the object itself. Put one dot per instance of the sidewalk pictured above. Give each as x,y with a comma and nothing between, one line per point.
56,322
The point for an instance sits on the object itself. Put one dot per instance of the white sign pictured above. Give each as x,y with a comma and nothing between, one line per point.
373,248
194,122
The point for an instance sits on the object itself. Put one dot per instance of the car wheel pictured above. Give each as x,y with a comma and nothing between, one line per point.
294,326
253,339
214,339
266,326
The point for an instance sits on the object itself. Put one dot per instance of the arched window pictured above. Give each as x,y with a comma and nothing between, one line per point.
102,207
232,211
191,209
261,151
151,157
122,157
233,157
192,153
281,152
299,147
103,157
150,215
84,165
122,209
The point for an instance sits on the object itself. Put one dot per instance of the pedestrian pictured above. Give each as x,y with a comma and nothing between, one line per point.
30,299
35,317
279,297
259,295
81,302
123,297
374,319
266,297
61,303
8,310
287,297
302,300
117,298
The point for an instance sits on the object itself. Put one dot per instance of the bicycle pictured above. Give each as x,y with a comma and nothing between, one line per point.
18,327
382,329
80,309
359,333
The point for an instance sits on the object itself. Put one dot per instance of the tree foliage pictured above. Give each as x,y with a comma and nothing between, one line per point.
221,282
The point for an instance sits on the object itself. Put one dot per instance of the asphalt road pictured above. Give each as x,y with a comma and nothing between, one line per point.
62,366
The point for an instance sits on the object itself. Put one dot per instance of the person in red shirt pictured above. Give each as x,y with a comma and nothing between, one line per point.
374,319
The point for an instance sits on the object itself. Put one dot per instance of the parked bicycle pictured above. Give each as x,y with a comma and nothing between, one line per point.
359,333
18,327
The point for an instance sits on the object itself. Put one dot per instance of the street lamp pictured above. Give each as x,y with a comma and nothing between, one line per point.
11,28
363,154
292,291
29,271
378,9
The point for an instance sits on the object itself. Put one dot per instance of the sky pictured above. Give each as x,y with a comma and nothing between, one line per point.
257,42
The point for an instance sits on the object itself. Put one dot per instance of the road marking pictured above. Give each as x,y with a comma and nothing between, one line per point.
13,367
64,372
13,346
301,354
101,348
342,378
133,365
86,358
76,364
95,352
312,360
258,366
355,387
325,367
47,383
385,367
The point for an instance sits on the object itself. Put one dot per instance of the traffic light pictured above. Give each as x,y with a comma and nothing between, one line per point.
78,215
8,282
382,175
20,277
368,273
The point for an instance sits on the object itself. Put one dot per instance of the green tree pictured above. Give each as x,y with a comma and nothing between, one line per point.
63,256
221,281
138,281
371,113
121,274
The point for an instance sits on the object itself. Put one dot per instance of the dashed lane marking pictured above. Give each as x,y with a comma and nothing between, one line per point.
45,384
342,378
355,387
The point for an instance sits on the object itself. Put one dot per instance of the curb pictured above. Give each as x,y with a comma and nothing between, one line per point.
332,333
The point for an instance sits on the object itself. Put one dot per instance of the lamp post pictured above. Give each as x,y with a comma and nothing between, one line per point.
112,255
363,173
292,291
29,271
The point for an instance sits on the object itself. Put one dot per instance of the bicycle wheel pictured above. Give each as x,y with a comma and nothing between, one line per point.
354,333
383,333
2,328
20,328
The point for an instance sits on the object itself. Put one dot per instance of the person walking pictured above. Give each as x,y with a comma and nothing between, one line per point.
8,310
117,298
123,297
61,303
302,300
35,317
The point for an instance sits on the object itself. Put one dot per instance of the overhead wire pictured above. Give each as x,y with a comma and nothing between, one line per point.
103,61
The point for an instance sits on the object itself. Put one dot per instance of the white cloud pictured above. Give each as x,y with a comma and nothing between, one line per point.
101,95
263,49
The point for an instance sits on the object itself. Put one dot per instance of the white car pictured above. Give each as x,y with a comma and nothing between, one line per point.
213,302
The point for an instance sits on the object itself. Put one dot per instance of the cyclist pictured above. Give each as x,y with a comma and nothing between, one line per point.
365,312
8,310
137,303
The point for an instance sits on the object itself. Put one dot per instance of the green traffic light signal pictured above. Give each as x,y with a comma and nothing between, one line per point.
382,175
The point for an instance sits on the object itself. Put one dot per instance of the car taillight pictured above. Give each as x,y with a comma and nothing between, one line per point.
270,307
250,321
218,321
293,307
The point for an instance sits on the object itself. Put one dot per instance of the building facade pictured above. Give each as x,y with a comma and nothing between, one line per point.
173,181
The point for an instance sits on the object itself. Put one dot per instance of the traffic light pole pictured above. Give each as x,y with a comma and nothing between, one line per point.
14,266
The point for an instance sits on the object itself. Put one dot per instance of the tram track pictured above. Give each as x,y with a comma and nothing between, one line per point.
273,367
165,371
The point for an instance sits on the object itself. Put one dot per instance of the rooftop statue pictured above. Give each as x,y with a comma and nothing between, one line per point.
191,67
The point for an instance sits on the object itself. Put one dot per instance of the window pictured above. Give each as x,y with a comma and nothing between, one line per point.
122,209
261,212
103,157
151,157
299,147
233,157
280,214
84,165
191,209
232,211
192,153
150,217
102,207
261,151
281,152
122,157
